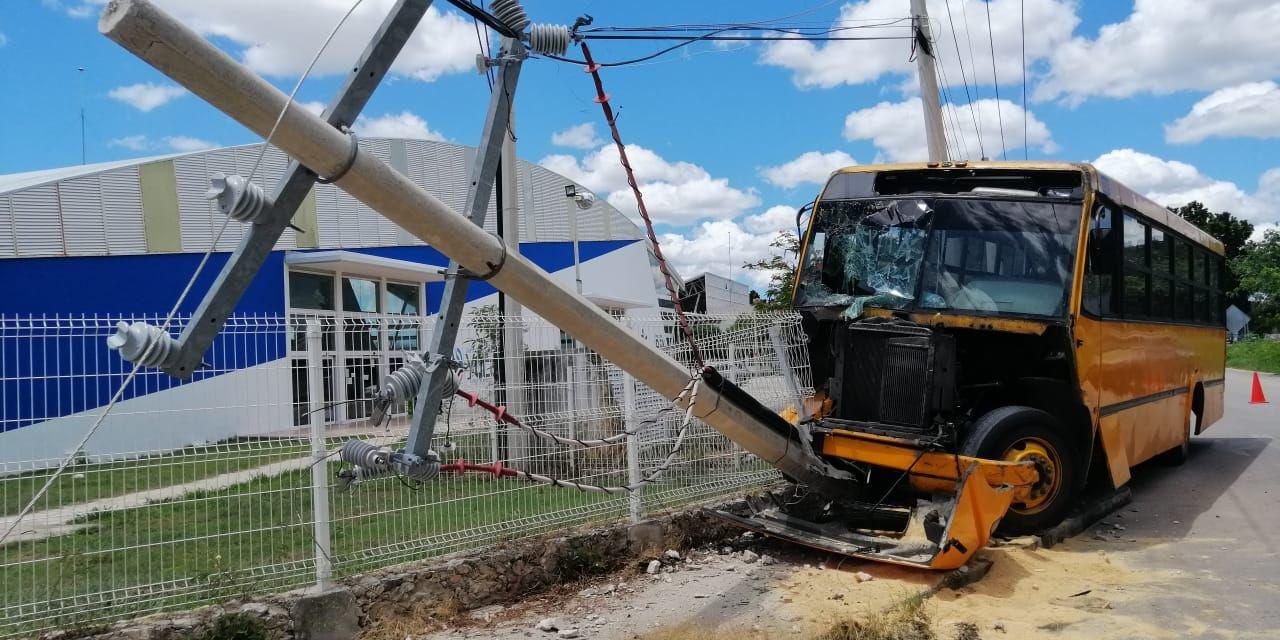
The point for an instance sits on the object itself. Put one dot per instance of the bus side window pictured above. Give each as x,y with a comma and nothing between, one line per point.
1100,271
1136,270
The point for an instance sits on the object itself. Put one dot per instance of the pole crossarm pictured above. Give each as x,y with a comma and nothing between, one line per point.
289,192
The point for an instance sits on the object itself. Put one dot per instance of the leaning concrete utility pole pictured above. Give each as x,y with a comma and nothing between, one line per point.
928,82
178,52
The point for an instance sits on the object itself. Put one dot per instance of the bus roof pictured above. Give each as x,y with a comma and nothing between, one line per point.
1099,181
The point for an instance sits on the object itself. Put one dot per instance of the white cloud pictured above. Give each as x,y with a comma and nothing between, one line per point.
1049,24
279,37
674,192
1172,183
167,143
720,247
396,125
774,219
1249,110
82,9
146,96
810,167
897,129
187,143
315,107
582,136
1169,45
133,143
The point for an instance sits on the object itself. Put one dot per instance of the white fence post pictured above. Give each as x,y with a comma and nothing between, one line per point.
630,423
319,455
734,366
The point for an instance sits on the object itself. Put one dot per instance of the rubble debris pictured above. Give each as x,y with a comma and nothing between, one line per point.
547,624
749,556
653,567
671,554
863,576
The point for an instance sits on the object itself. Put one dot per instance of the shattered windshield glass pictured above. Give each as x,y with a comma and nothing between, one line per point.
954,253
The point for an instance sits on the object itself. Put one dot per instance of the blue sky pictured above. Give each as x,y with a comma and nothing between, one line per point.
1176,110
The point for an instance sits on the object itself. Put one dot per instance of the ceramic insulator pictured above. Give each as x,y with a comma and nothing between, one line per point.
141,343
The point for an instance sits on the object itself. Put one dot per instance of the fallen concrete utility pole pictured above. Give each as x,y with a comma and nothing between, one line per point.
173,49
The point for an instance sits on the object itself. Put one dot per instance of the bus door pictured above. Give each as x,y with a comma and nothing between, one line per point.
1097,302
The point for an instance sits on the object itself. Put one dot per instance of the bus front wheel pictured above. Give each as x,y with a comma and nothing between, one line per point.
1024,434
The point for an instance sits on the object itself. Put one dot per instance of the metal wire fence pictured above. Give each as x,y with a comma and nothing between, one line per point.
200,491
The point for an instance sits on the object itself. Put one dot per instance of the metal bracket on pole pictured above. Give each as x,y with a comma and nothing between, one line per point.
289,192
479,192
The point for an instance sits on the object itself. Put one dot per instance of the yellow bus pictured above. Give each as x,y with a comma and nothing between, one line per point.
1019,311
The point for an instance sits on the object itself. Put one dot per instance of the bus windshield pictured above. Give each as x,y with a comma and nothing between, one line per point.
987,256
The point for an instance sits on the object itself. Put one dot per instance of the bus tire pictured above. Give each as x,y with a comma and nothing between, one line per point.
1023,433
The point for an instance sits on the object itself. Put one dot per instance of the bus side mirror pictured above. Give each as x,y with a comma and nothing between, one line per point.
800,214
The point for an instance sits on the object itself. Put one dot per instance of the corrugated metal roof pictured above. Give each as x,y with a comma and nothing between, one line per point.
96,209
19,181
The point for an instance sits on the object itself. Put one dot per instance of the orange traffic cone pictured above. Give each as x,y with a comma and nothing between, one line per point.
1256,397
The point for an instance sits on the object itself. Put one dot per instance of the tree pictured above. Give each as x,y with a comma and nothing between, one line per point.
781,268
1233,233
1258,268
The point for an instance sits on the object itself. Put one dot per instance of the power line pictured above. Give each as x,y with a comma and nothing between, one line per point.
713,35
949,110
1026,151
973,62
995,80
973,113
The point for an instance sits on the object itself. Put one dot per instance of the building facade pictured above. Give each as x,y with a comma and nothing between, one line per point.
119,241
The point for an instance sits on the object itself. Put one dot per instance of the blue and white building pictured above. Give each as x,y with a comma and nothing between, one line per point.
121,239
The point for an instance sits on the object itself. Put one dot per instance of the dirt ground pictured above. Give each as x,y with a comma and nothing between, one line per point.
753,588
763,589
1194,555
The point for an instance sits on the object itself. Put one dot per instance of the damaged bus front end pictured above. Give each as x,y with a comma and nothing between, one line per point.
937,301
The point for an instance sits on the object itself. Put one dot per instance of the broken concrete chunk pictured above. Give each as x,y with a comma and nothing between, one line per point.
547,624
567,633
862,576
750,556
766,559
653,567
671,554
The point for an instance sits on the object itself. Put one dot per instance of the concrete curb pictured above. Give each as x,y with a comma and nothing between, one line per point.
1084,516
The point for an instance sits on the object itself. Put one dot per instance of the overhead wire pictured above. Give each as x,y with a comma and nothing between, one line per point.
955,39
711,35
950,130
995,80
182,296
948,108
1022,6
973,65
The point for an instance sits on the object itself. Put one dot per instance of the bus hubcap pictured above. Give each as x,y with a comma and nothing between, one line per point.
1037,496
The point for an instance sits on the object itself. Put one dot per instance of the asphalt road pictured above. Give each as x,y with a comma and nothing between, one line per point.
1215,522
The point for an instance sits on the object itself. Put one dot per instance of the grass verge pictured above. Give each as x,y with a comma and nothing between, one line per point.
87,482
1254,355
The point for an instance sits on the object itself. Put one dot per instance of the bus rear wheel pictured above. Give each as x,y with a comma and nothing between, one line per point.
1024,434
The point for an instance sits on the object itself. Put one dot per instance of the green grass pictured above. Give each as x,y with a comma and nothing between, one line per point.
88,482
1254,355
256,537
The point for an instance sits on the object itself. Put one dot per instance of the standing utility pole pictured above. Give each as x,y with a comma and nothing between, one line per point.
928,82
80,98
519,443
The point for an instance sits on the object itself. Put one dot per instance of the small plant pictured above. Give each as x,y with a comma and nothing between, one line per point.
232,626
907,621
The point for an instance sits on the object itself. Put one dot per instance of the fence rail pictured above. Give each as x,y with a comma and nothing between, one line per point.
199,491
